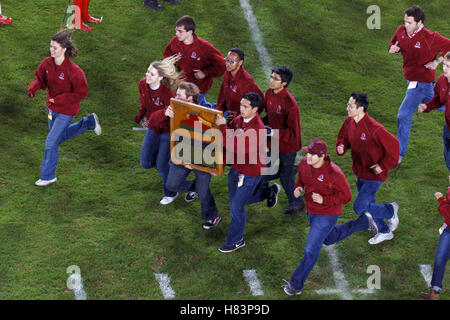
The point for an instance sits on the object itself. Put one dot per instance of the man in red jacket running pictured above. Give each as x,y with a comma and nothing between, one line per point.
374,152
420,49
326,190
199,60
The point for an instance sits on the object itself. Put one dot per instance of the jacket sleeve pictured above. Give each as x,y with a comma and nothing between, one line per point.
435,102
342,192
342,138
168,50
39,82
391,148
444,207
440,44
394,38
158,117
79,90
142,110
221,99
216,67
292,132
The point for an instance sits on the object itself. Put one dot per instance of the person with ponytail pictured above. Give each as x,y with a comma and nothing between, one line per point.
155,91
66,86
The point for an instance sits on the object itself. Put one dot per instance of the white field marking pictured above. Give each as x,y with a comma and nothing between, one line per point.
139,129
336,291
264,56
339,277
164,283
427,273
252,278
78,289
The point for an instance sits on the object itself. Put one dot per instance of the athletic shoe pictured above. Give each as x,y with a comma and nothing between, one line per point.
85,27
289,290
290,210
393,222
230,248
380,237
5,20
93,20
191,196
98,128
399,160
430,294
273,197
167,200
211,223
43,183
372,225
153,4
173,1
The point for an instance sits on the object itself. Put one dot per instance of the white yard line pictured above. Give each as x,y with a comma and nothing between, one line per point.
252,279
427,273
164,283
339,277
78,289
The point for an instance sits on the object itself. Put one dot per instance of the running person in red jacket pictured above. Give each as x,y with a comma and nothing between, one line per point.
66,86
199,60
443,249
283,115
442,98
236,82
326,190
155,92
420,49
374,152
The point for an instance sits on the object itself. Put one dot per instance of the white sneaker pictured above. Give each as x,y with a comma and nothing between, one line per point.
372,224
167,200
98,128
43,183
380,237
393,222
400,160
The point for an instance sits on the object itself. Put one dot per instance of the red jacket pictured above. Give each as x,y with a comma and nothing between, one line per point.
199,55
233,88
152,101
444,207
66,84
245,157
283,114
371,144
441,97
418,51
329,181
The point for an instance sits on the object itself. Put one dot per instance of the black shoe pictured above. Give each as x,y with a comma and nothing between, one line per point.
273,196
290,210
173,1
191,196
153,4
212,223
233,247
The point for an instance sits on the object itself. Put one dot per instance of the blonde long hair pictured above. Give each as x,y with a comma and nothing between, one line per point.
168,70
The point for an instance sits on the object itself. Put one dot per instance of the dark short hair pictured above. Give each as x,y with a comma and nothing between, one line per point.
239,52
254,98
361,99
188,22
416,12
285,74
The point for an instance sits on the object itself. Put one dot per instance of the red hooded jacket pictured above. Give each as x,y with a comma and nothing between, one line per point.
441,97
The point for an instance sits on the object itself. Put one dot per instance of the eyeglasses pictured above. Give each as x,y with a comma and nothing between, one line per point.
274,78
230,61
179,31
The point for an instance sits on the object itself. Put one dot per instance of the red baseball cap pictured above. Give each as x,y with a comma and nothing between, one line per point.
316,146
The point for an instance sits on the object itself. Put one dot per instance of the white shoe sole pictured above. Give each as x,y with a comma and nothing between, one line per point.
43,183
394,221
390,236
98,128
167,200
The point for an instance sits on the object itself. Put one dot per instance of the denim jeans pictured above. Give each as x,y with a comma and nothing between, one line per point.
446,140
323,230
421,94
176,181
155,151
254,189
440,260
202,101
61,129
286,173
365,201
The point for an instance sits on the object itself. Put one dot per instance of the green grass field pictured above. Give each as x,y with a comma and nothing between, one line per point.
103,213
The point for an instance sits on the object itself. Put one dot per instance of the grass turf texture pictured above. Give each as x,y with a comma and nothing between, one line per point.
103,213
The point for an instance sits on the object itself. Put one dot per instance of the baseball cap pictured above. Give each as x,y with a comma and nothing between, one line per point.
316,146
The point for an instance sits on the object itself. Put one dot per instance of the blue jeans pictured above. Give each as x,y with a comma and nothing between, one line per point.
155,151
61,129
440,260
323,230
176,181
254,189
421,94
446,140
286,173
365,201
202,101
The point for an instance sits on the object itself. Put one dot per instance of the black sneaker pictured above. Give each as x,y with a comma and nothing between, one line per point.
191,196
212,223
273,197
290,210
173,1
153,4
225,248
289,290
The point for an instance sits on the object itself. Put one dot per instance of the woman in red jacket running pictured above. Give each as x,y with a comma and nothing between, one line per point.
66,86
